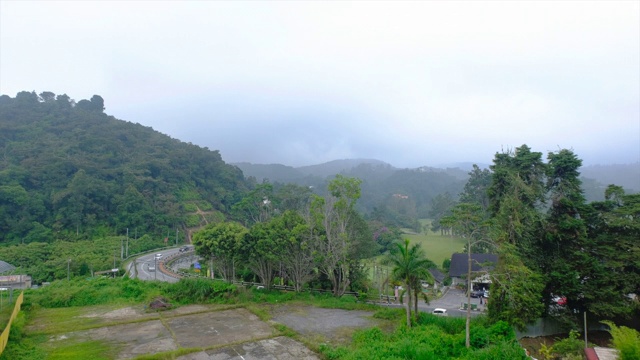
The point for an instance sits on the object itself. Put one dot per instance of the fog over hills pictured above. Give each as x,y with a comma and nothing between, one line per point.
595,177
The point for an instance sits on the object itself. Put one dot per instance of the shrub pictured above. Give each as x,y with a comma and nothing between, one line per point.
625,340
389,313
569,346
200,291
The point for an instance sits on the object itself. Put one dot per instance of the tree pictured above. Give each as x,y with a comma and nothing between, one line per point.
220,243
467,220
298,260
332,216
257,206
475,190
516,290
409,266
565,235
516,194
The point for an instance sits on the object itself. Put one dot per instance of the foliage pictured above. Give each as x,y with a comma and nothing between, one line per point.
433,337
220,243
188,291
90,175
49,261
569,346
625,340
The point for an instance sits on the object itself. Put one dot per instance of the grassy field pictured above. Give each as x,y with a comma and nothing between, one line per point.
437,247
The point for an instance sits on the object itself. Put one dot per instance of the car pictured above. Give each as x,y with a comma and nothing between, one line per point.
560,300
439,312
184,248
158,256
477,293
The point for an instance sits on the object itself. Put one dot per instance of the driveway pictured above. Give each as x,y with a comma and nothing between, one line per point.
452,300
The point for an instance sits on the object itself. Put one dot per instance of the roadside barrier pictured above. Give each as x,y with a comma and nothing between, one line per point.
4,338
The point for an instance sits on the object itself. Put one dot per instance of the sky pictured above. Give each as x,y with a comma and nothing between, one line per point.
418,83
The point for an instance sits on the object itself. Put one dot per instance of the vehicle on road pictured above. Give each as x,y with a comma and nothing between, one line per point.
158,256
439,311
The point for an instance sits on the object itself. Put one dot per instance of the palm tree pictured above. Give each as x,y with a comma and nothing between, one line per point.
409,265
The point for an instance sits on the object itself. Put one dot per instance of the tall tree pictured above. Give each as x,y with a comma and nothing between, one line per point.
333,214
566,232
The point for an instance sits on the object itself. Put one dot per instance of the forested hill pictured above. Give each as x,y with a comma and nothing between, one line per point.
68,170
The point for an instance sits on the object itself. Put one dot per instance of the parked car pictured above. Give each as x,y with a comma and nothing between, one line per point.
477,293
439,311
560,300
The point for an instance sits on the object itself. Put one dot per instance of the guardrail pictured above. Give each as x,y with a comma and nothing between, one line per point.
4,338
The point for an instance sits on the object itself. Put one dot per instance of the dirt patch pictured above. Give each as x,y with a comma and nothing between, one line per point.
330,324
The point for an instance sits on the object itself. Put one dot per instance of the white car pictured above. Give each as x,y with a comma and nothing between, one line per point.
158,256
439,311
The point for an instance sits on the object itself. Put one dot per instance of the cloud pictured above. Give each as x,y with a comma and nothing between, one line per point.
410,83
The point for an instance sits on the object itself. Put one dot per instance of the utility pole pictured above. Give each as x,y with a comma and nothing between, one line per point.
176,236
127,250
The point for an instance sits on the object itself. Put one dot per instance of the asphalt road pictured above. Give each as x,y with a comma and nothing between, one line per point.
145,264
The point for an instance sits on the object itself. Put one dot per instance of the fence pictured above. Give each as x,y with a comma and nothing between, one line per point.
4,338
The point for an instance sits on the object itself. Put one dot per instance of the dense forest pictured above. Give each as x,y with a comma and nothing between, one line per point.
70,171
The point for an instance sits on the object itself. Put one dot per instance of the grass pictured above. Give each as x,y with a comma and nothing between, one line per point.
92,349
437,247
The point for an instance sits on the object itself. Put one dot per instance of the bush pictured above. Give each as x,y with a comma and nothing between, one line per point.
569,346
625,340
389,313
200,291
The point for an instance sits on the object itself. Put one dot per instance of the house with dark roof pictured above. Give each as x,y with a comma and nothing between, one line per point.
481,264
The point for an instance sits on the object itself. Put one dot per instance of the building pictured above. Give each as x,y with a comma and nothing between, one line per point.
481,264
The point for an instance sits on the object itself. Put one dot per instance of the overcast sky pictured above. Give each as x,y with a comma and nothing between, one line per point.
299,83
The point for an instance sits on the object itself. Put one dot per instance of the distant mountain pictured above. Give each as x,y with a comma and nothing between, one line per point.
625,175
334,167
466,166
271,172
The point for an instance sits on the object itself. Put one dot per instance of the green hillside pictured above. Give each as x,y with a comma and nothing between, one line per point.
70,171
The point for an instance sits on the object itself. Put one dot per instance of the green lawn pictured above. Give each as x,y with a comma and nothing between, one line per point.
437,247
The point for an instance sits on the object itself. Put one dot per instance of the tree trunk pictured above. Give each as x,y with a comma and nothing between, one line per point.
408,304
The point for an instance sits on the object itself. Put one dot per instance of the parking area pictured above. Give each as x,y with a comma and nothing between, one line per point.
222,334
453,300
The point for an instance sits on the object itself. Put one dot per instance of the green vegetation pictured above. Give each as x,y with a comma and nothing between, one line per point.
432,337
439,247
62,307
50,261
625,340
71,172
